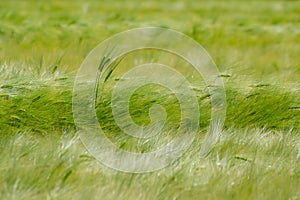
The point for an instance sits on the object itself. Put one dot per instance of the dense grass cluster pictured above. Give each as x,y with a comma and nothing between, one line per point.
254,44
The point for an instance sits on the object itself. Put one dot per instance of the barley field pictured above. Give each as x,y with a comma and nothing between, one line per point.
255,45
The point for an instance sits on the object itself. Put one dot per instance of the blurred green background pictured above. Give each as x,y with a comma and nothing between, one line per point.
256,38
